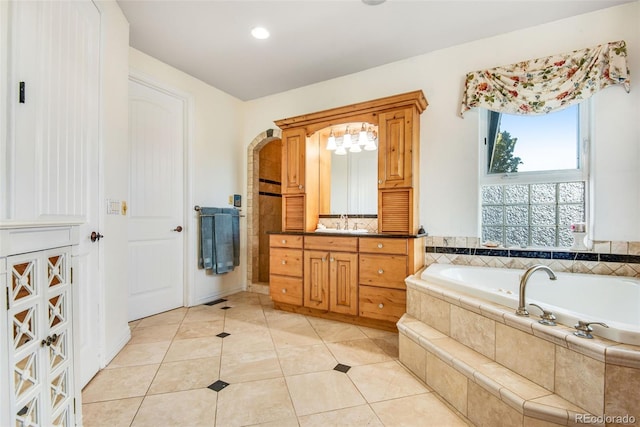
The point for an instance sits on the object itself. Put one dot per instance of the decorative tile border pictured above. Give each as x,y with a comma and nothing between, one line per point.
608,258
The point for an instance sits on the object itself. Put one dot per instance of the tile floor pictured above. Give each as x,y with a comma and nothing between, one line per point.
272,369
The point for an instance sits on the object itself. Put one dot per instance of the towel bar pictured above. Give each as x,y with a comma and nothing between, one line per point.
198,209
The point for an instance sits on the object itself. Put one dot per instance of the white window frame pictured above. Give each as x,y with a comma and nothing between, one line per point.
582,173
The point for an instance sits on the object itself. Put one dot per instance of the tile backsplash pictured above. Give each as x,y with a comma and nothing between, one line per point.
606,257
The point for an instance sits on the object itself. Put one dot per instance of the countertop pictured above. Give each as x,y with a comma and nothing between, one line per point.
356,234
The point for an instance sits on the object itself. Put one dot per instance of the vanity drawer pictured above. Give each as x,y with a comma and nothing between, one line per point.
331,243
388,271
285,289
381,303
285,241
286,262
384,246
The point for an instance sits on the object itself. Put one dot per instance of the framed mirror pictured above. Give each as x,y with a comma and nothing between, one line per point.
349,169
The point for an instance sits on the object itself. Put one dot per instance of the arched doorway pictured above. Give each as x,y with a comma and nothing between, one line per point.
264,205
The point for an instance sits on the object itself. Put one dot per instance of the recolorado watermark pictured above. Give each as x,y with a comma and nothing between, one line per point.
605,419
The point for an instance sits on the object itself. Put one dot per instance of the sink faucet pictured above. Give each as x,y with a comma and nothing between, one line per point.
522,309
345,218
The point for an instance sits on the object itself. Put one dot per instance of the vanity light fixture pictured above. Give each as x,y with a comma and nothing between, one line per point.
372,136
260,33
331,142
362,136
346,139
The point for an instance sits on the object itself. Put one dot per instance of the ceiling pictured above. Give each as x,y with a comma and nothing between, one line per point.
312,41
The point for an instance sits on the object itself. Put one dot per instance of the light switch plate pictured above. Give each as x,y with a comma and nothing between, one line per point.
113,207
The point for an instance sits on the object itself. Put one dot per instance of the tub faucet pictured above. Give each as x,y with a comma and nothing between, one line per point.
522,307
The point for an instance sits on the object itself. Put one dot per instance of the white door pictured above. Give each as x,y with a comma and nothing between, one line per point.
156,245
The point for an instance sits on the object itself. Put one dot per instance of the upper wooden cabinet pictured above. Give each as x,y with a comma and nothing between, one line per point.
293,161
398,120
395,148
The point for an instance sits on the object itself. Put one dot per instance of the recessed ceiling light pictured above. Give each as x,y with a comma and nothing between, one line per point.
372,2
260,33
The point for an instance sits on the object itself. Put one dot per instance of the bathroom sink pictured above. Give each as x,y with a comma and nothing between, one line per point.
335,230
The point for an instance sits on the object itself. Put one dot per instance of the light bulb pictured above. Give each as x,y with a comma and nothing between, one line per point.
331,142
362,137
346,139
341,151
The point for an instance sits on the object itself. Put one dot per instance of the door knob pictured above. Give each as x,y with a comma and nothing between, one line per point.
178,229
95,236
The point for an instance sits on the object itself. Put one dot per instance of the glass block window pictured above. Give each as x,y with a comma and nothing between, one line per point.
537,215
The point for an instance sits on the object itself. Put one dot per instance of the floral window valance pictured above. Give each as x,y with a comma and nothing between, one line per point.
542,85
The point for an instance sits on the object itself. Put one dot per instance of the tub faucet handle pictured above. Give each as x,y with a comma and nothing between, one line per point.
547,318
584,329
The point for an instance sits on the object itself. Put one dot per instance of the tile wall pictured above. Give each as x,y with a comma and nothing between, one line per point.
606,257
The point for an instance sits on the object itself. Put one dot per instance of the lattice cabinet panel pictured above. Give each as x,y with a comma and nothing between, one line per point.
39,339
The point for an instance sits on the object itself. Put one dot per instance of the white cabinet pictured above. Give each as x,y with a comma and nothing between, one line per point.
38,376
40,348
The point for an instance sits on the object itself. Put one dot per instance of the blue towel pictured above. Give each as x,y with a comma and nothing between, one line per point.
223,243
219,239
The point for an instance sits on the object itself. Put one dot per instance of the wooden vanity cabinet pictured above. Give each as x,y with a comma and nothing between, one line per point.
398,120
285,268
384,264
331,274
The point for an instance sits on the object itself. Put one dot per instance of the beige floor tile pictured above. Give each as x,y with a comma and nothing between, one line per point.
294,336
185,375
245,325
194,408
419,410
255,402
133,324
166,318
389,345
384,381
358,352
113,413
243,367
194,348
247,341
119,383
332,331
377,333
357,416
306,359
246,312
203,313
322,391
140,354
287,422
156,333
199,329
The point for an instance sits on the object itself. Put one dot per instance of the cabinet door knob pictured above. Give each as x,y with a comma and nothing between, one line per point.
300,186
381,305
380,245
284,291
379,181
284,262
284,241
380,271
332,259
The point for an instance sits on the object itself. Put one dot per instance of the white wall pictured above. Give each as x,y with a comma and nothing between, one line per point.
216,166
449,144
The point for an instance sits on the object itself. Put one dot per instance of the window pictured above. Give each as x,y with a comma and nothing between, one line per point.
533,182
